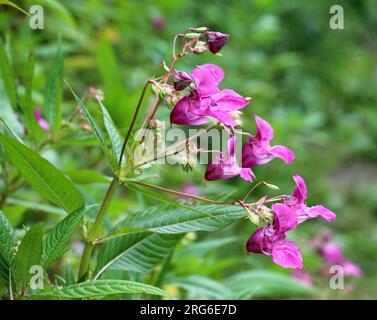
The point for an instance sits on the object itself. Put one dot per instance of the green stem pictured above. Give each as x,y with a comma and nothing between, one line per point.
181,194
133,121
94,233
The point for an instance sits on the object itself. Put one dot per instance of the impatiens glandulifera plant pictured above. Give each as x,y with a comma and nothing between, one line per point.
146,239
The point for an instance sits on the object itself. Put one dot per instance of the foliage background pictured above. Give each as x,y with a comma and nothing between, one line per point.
315,85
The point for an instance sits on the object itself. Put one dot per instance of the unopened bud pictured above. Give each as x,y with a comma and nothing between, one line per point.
181,80
216,40
271,186
200,29
192,35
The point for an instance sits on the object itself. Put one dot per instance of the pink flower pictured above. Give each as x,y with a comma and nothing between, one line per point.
224,165
216,40
303,277
258,150
333,255
41,121
207,100
297,202
271,239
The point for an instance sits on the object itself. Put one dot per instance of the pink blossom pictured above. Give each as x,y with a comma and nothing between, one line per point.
303,277
258,150
207,100
224,165
333,255
297,202
271,239
41,121
216,40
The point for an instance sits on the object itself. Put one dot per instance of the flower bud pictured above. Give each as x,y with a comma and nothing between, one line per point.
192,35
181,80
271,186
200,29
200,47
216,40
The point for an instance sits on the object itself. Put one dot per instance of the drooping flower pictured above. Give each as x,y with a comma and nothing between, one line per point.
225,166
271,239
207,100
258,150
181,80
41,121
297,202
216,40
303,277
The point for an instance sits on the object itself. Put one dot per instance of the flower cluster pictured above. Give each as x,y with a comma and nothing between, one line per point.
271,239
199,99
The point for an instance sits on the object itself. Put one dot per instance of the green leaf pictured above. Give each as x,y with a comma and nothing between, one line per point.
53,91
102,288
113,132
199,287
267,284
85,176
49,181
7,240
7,243
203,247
139,252
56,241
11,4
8,98
28,106
166,219
96,129
29,254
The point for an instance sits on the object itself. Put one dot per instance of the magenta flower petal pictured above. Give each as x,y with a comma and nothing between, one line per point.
258,151
207,78
300,192
285,218
247,174
321,211
351,269
258,242
222,117
287,254
303,277
332,253
264,129
224,165
283,153
229,100
186,112
41,121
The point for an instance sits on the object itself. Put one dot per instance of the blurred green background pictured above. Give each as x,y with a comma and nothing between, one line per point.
316,86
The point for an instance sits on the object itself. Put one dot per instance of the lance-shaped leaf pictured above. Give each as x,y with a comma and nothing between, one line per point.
8,98
49,181
173,220
103,288
53,91
95,128
266,284
56,241
113,132
138,252
28,254
7,243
